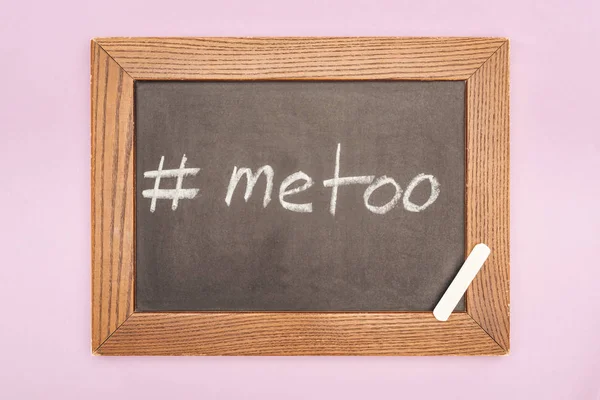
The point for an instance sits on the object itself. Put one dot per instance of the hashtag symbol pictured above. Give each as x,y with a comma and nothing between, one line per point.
170,194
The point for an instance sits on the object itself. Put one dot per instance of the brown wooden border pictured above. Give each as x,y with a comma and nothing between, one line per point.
117,63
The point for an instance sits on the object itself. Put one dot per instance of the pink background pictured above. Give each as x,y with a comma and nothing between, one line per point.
45,203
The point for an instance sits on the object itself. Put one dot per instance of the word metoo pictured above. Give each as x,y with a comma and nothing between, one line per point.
285,192
334,184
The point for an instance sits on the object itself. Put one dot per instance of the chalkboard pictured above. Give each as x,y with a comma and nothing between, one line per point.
238,207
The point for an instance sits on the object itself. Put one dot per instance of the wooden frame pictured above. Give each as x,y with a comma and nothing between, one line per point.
116,63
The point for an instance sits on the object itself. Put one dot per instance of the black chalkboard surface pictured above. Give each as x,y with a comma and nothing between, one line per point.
382,245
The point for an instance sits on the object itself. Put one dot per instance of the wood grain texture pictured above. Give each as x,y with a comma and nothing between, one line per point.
487,193
331,58
118,62
112,168
298,334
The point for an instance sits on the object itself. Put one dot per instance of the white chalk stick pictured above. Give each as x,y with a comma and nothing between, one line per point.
461,282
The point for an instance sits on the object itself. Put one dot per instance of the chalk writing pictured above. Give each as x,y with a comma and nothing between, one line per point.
251,180
267,171
379,182
435,192
337,181
283,191
171,194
